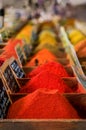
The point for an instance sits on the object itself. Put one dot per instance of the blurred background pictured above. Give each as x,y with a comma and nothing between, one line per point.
45,9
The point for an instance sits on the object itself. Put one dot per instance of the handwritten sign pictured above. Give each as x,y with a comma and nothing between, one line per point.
10,80
73,57
4,100
20,54
27,48
17,69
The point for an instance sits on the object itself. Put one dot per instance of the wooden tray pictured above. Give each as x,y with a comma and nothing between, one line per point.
43,124
77,100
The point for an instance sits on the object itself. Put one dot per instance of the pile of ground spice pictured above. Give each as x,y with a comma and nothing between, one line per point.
46,79
41,57
25,33
42,104
53,67
9,50
80,45
80,48
53,49
4,56
46,25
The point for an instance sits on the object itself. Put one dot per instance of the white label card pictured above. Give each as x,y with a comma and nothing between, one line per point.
73,57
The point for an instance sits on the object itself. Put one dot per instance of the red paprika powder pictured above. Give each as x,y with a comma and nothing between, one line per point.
9,50
42,57
46,79
53,67
42,104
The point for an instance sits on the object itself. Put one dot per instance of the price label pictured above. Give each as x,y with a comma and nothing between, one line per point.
65,40
73,57
20,54
27,49
34,35
70,49
16,68
4,100
10,80
80,77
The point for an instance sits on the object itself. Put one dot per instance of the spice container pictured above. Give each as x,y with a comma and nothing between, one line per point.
44,102
78,102
76,99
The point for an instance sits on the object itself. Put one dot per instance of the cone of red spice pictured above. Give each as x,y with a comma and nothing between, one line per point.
42,57
53,49
53,67
42,104
12,43
46,79
3,56
9,50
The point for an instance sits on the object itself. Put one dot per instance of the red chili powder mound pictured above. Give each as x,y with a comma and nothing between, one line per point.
42,104
42,57
12,43
47,80
52,67
9,50
9,54
3,56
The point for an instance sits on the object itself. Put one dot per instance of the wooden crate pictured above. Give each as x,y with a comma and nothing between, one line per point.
43,124
78,100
